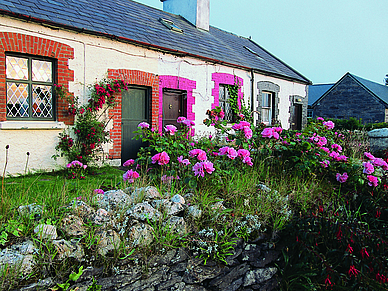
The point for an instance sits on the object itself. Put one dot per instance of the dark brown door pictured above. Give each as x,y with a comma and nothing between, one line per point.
134,109
296,123
173,106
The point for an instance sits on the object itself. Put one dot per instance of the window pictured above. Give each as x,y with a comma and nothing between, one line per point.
224,103
29,82
170,25
267,107
309,113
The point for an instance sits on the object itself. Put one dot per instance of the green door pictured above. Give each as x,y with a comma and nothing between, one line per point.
134,109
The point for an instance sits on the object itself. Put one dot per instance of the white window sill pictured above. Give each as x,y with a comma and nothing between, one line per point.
31,125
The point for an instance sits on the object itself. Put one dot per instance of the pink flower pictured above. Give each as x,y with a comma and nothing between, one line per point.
325,149
161,158
237,126
248,132
372,180
267,132
325,163
243,153
245,123
181,119
171,129
329,124
334,155
320,119
369,156
128,163
278,129
368,168
143,125
342,158
130,176
186,162
248,161
201,167
336,147
188,122
99,191
378,162
341,178
200,154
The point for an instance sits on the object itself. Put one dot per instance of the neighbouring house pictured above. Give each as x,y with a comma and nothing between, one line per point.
177,64
350,96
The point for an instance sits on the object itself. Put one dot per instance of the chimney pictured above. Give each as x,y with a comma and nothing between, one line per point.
195,11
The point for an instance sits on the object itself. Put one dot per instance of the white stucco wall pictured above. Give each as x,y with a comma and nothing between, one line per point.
93,56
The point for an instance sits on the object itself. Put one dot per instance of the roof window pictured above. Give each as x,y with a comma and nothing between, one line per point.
170,25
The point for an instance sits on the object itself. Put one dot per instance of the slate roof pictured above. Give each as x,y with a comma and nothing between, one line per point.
379,90
129,21
317,92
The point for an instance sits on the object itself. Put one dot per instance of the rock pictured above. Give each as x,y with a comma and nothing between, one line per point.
115,200
197,273
143,212
178,199
176,225
72,226
141,234
46,231
225,281
218,206
378,139
31,209
251,253
81,209
107,240
40,285
69,249
19,257
266,258
259,276
265,188
193,212
102,216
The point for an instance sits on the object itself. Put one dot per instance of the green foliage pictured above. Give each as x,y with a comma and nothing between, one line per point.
214,244
72,277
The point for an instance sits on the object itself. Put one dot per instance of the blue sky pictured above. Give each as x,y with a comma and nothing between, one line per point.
321,39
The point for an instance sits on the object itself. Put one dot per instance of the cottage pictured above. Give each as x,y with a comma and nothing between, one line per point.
350,96
177,64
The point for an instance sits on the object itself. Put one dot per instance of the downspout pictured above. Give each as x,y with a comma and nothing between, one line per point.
252,90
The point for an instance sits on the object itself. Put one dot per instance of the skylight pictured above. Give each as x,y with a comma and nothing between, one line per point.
170,25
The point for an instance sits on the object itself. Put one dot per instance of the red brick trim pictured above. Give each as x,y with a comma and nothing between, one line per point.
138,78
226,79
174,82
27,44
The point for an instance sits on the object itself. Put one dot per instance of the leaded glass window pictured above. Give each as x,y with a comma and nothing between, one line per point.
225,103
30,83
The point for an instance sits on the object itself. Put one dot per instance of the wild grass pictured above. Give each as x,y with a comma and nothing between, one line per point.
270,198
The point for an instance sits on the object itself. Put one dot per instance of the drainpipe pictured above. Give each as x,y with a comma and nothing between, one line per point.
252,90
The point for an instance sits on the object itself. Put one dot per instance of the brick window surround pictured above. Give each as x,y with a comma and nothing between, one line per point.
138,78
226,79
33,45
174,82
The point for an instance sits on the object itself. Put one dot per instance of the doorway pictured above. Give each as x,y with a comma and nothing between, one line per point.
134,109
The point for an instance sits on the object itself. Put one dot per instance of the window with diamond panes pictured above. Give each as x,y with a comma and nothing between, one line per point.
29,88
225,104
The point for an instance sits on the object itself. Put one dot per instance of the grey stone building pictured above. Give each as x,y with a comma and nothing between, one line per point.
351,96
